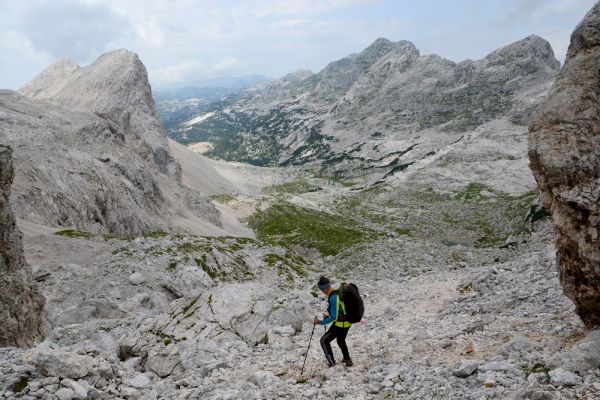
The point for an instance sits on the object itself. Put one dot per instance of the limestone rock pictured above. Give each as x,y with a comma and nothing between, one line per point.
564,149
136,278
79,391
88,310
585,355
140,381
20,305
464,369
560,377
65,394
61,363
162,364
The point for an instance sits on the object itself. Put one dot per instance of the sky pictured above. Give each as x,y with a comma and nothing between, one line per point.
184,41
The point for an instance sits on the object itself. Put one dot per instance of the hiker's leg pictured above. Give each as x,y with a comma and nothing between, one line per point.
326,344
341,341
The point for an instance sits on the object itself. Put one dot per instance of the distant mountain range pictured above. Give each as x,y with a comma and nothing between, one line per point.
378,111
177,102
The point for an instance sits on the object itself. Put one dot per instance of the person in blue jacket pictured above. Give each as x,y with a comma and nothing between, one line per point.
339,328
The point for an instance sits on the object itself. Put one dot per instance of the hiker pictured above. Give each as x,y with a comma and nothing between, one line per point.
339,328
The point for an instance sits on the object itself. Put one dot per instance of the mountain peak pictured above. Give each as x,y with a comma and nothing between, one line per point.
114,86
381,47
531,47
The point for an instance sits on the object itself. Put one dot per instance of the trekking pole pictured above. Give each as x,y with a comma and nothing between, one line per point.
308,348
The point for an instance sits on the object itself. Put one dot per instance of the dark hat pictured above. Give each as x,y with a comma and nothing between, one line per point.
323,283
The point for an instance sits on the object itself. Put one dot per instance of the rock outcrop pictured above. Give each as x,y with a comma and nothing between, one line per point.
564,150
20,305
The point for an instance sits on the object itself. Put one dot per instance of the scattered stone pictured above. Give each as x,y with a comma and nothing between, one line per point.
496,366
262,378
65,394
560,377
56,362
464,369
469,348
137,278
140,381
79,391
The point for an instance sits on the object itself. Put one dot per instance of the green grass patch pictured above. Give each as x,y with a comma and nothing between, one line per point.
122,250
403,231
536,368
74,233
223,198
187,308
172,266
190,247
287,224
293,187
202,263
287,264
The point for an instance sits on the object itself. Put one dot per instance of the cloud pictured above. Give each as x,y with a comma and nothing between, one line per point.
71,29
228,65
524,9
190,71
285,7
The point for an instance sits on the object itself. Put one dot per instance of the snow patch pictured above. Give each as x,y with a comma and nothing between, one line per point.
199,118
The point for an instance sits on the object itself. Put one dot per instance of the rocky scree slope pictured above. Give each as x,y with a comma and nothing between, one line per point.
381,110
564,149
90,153
180,317
20,304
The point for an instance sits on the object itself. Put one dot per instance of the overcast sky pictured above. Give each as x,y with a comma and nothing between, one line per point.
181,41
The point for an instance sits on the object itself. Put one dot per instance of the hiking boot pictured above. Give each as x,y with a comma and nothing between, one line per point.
348,362
330,362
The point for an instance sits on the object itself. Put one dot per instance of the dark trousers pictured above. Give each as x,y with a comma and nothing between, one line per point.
335,332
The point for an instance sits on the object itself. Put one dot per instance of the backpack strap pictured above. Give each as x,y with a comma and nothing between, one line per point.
342,323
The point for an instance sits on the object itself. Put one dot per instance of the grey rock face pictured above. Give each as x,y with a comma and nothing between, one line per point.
116,88
20,305
90,152
564,150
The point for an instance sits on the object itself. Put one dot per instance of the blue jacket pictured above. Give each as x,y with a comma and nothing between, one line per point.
333,310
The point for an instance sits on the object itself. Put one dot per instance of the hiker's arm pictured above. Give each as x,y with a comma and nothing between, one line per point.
332,310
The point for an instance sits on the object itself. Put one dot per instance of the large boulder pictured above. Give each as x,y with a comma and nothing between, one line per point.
564,150
20,305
